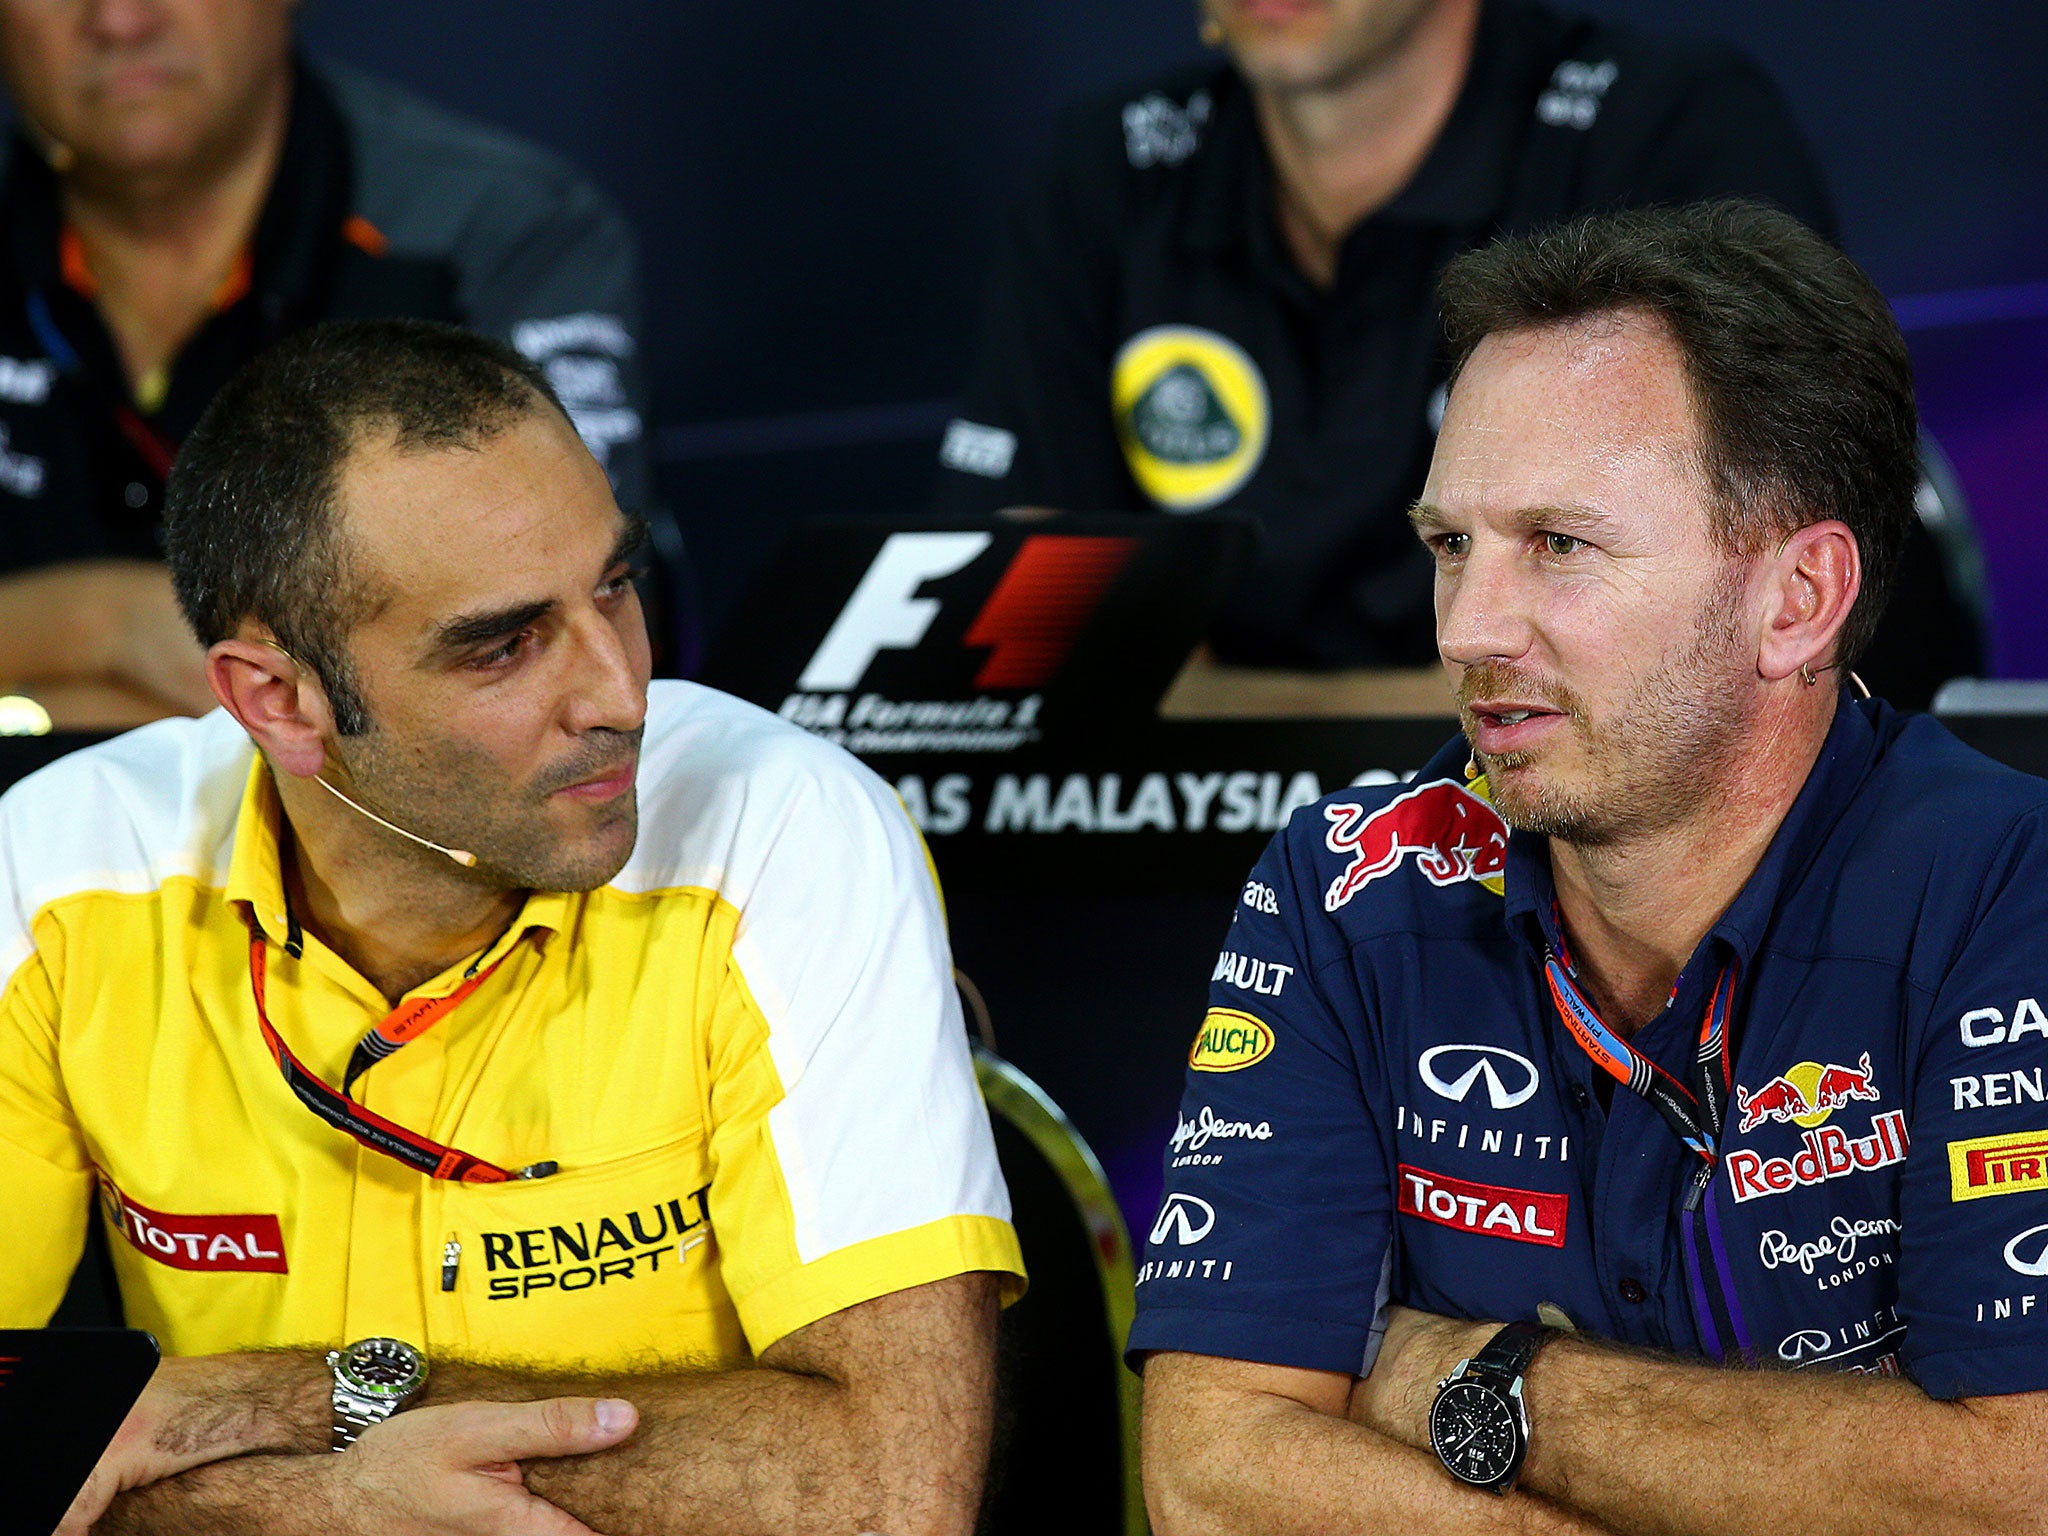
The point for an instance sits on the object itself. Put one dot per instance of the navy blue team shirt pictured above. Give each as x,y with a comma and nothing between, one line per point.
1384,1103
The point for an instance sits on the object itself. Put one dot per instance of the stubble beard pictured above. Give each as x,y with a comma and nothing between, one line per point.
453,795
1676,739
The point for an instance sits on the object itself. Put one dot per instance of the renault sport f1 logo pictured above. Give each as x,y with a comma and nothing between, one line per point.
1029,622
1455,1089
1452,833
1187,1218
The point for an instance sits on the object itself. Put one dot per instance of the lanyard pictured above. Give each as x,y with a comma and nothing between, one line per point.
406,1022
1695,1111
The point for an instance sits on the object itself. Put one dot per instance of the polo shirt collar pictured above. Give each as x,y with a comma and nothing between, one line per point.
1845,759
256,884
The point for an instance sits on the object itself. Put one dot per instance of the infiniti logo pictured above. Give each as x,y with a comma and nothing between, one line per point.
1186,1217
1497,1092
1807,1341
2038,1265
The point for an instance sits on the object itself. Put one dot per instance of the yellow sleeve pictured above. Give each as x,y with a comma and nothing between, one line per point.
45,1174
851,1150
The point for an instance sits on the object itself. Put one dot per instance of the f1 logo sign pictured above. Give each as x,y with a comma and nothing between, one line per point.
884,612
1029,622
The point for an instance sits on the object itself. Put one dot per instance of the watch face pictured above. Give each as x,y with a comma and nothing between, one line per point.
384,1368
1474,1433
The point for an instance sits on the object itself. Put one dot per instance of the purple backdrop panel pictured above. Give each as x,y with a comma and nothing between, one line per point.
1982,378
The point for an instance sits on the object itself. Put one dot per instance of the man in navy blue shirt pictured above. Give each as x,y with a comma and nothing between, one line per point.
1687,1014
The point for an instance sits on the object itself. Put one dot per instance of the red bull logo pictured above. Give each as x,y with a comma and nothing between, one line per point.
1450,832
1806,1094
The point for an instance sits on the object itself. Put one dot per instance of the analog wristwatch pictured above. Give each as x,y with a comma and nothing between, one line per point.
373,1379
1479,1425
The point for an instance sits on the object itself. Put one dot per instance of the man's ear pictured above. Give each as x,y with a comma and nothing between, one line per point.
1813,582
278,700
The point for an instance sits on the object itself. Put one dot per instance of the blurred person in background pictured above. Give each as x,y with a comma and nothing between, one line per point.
1219,294
182,189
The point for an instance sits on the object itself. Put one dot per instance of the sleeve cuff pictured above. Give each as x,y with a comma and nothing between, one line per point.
938,1250
1981,1372
1298,1342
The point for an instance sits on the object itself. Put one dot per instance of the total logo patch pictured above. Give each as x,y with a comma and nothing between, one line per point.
1489,1210
1191,414
249,1244
1997,1165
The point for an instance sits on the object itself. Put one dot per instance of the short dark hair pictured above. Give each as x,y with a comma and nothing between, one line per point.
249,520
1797,371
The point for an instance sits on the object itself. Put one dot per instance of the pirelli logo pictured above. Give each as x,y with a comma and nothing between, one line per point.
1997,1165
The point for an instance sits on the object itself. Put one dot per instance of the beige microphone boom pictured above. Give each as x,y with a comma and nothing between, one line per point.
461,856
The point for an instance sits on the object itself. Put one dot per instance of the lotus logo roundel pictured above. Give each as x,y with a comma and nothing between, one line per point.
1185,1218
2035,1241
1449,1071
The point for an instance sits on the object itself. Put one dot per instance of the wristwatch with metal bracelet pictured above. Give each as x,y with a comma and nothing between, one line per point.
1479,1425
373,1379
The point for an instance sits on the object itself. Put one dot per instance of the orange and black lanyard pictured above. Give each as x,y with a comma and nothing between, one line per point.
408,1021
1696,1113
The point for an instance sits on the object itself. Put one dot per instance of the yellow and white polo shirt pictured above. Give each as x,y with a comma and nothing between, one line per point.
745,1052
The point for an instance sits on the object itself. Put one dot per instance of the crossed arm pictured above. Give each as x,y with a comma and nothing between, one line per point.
1622,1441
876,1418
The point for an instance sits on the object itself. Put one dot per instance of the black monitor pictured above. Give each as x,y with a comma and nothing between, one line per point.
63,1393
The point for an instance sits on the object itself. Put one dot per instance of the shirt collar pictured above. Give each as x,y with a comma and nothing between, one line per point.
256,884
1845,758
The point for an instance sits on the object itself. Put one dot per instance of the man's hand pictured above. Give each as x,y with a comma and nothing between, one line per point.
454,1471
200,1409
450,1471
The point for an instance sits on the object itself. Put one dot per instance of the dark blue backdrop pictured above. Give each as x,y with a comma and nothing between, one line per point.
818,188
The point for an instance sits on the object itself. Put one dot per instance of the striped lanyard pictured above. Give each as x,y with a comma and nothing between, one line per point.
407,1022
1695,1113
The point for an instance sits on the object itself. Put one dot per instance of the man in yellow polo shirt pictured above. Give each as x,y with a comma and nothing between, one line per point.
456,995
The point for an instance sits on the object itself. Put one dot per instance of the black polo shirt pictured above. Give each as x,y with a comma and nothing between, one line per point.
381,205
1151,341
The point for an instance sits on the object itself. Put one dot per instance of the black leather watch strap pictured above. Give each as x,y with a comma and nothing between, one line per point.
1508,1353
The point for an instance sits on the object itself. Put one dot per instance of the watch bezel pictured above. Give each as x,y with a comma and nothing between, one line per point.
347,1369
1506,1404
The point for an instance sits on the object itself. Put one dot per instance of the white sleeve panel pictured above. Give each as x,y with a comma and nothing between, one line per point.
842,944
126,815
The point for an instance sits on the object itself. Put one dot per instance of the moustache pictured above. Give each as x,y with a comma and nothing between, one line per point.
592,761
1494,680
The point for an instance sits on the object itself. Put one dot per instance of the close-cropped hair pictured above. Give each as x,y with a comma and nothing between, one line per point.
1799,378
250,521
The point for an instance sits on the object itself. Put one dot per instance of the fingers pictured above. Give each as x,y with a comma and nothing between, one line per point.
479,1434
91,1503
